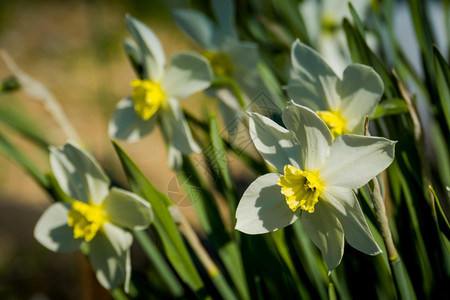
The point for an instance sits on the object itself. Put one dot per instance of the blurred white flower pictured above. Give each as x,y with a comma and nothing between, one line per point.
97,216
323,20
155,97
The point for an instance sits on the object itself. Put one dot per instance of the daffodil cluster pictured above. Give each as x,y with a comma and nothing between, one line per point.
315,181
96,216
305,108
155,96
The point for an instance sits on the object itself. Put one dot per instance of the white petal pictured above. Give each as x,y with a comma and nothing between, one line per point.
326,232
224,13
263,208
109,253
186,74
79,174
361,91
176,129
336,54
197,26
309,10
304,93
127,125
133,52
275,143
314,72
245,57
345,206
52,231
312,133
355,159
154,58
174,159
128,210
337,11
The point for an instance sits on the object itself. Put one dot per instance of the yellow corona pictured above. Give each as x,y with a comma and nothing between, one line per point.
220,63
86,220
301,188
148,97
335,122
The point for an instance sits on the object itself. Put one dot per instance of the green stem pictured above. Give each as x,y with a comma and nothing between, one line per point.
222,81
331,292
401,278
118,294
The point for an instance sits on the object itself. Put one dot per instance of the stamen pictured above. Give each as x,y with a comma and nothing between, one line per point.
148,97
334,121
86,220
301,188
220,63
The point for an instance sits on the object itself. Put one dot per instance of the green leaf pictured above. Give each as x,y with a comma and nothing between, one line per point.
361,53
166,228
393,106
289,11
356,19
216,153
14,154
279,239
272,84
159,263
443,82
24,125
424,35
212,222
441,152
313,265
444,225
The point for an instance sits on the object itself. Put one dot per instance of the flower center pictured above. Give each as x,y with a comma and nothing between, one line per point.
329,23
301,188
86,219
220,63
334,121
147,97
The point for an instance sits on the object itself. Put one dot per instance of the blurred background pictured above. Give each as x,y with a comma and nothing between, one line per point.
75,49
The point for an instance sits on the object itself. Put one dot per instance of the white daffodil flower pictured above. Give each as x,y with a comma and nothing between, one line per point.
315,181
323,20
156,95
97,216
228,56
342,103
